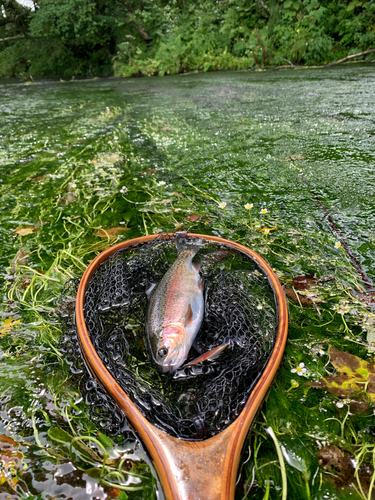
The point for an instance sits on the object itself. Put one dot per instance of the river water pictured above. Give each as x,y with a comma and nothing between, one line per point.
67,149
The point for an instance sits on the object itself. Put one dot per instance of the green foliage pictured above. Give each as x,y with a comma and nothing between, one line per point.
99,37
45,58
237,35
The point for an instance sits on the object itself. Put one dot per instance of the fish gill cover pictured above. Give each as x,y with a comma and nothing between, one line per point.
194,402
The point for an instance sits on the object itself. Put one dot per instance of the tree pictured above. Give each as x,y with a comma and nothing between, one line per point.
14,19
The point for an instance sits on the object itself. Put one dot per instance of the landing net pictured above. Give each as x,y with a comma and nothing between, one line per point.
195,402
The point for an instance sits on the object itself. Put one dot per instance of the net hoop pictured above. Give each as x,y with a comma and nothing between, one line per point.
218,456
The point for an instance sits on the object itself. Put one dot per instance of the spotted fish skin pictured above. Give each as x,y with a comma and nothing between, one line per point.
175,310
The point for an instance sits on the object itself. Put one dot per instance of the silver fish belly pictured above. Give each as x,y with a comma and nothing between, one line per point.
175,310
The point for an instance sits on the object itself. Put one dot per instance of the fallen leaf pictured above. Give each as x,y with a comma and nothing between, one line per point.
194,217
10,461
331,456
354,376
367,298
110,233
7,326
341,467
113,493
67,199
5,441
304,282
24,231
40,178
296,297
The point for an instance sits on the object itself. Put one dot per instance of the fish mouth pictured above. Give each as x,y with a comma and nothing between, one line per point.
165,368
173,348
169,366
173,361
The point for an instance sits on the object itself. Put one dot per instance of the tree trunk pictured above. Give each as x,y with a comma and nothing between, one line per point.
141,30
347,58
11,38
263,47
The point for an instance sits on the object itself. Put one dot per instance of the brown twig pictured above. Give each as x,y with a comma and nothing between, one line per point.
11,38
347,58
131,19
263,47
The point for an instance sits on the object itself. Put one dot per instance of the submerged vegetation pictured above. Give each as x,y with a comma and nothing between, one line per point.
87,164
132,37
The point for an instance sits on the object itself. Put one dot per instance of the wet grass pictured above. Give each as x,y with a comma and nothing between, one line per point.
79,160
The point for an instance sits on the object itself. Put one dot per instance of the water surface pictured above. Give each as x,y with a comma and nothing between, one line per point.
67,149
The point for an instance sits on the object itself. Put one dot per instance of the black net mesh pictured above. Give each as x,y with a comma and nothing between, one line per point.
194,402
103,409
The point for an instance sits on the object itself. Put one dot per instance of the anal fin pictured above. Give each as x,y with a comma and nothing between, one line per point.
210,355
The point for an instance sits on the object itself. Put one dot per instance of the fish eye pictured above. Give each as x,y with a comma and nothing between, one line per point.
162,352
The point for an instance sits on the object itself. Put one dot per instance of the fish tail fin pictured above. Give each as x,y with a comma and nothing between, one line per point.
188,244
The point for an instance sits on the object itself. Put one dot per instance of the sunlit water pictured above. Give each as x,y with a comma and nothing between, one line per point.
241,137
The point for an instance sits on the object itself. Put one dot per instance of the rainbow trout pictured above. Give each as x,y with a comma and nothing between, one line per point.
175,310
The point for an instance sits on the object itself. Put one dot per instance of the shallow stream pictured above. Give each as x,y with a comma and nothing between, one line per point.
139,156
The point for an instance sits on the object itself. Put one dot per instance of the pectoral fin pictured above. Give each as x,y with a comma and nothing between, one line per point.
210,355
197,266
189,316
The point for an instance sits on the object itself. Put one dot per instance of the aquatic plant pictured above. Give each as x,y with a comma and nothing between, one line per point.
64,201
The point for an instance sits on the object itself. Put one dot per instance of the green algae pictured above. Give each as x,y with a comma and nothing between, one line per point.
79,157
